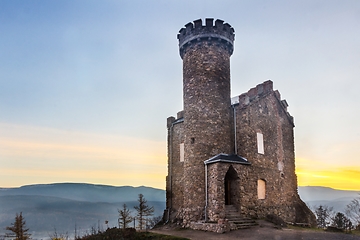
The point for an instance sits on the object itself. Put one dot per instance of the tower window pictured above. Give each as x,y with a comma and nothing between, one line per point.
260,143
261,189
182,152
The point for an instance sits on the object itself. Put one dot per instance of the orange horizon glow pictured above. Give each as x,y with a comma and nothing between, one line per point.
336,177
36,155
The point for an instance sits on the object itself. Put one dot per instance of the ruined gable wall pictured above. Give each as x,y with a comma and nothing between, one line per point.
261,111
175,178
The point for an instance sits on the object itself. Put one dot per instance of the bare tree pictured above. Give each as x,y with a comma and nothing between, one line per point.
155,220
59,236
124,217
18,228
323,215
143,210
353,211
340,221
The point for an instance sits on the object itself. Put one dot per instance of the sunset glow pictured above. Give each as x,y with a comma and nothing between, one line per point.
86,86
337,177
41,155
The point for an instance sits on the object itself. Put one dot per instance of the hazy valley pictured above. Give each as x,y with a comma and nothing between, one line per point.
66,206
338,199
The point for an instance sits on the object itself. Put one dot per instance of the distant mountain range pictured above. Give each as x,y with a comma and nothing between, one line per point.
316,196
66,206
87,192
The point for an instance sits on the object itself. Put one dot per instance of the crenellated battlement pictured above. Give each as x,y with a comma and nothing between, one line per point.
194,32
261,90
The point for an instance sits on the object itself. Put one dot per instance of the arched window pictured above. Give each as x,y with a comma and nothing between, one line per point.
261,189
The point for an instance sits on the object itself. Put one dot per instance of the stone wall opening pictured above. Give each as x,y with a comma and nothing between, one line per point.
231,186
261,189
260,142
182,152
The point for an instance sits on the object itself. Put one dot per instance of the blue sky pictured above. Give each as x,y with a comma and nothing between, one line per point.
86,86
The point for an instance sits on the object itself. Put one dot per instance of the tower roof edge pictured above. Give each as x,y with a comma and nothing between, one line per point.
195,31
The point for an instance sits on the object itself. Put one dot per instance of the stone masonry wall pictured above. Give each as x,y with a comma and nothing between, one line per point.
216,190
206,128
261,111
207,118
175,178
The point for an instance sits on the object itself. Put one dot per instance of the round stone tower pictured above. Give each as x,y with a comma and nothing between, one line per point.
206,52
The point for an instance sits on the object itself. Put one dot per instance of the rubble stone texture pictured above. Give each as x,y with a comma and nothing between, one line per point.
256,126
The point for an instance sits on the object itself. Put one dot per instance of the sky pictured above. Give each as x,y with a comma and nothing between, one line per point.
86,86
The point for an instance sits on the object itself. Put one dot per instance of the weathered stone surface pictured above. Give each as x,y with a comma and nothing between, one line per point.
222,227
257,127
207,116
175,178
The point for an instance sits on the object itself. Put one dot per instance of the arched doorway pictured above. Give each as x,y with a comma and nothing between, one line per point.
231,182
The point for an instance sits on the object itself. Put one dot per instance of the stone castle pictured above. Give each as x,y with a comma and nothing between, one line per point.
228,152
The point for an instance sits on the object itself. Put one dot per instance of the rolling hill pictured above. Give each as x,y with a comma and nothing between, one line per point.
316,196
87,192
64,206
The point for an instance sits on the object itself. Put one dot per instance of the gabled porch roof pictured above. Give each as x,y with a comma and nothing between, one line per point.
227,158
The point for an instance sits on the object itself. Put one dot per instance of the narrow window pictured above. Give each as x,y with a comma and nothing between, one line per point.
260,143
261,189
182,152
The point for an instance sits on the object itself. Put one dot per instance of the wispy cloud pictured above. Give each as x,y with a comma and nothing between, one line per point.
52,155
